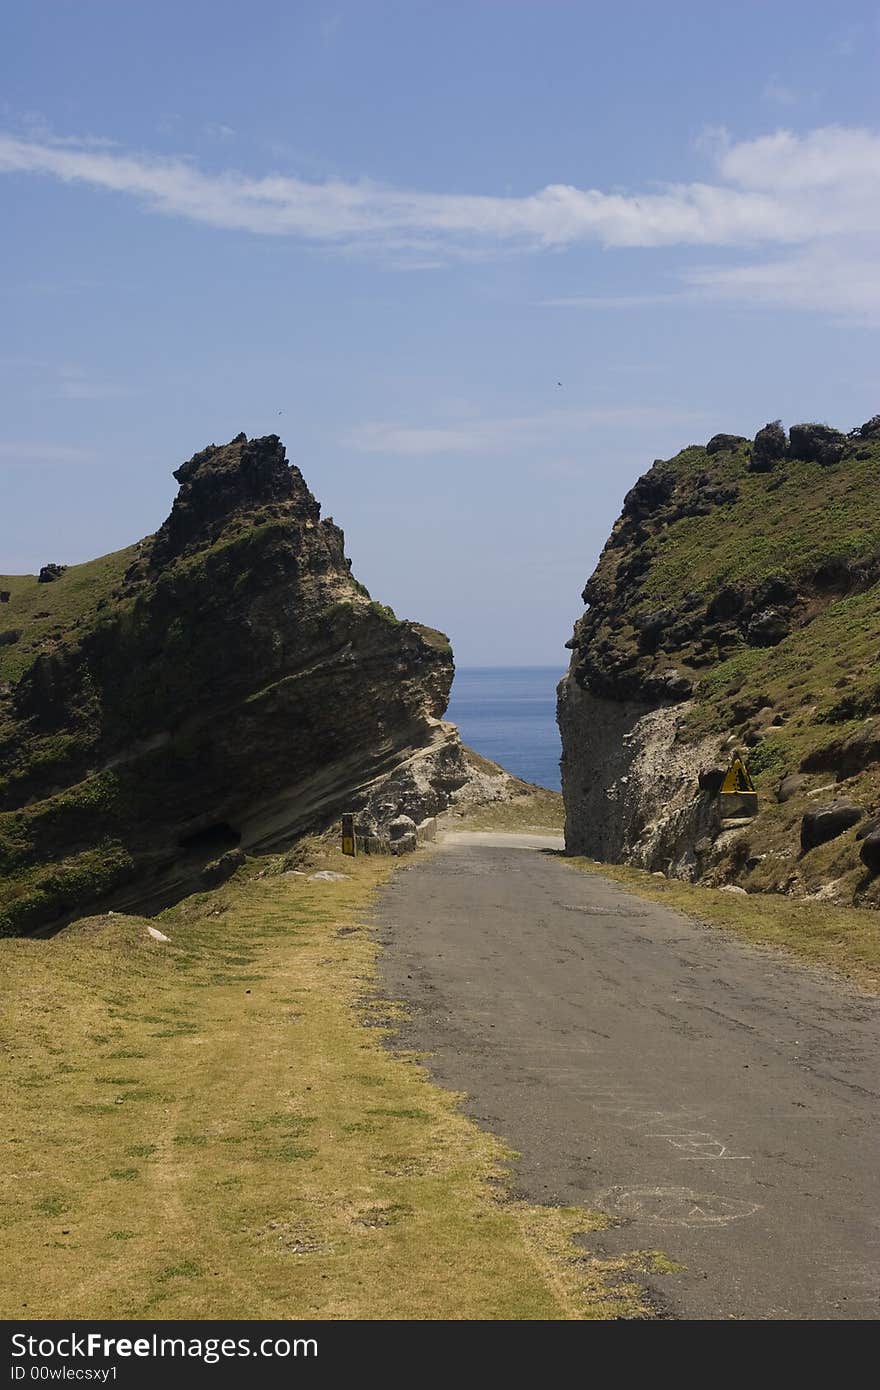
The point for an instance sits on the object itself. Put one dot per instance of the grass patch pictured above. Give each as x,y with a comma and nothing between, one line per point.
843,939
296,1167
46,612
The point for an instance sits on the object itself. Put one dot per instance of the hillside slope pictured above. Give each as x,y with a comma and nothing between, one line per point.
735,607
225,682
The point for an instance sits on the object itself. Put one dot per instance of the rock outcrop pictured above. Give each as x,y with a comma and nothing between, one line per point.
735,607
229,686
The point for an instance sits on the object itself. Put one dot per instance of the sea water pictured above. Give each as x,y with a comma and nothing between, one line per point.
508,713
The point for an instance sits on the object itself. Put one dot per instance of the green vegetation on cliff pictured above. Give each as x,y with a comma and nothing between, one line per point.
743,578
45,614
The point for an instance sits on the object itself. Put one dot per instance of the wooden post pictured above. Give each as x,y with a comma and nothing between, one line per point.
349,839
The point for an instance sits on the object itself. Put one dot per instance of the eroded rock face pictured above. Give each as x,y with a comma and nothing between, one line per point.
697,641
632,789
240,680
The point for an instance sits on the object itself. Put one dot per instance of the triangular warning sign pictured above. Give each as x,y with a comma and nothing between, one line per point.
737,779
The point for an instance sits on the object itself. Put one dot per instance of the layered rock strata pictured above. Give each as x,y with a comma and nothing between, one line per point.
233,688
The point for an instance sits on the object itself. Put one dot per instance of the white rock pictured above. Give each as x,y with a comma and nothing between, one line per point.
327,876
732,888
157,935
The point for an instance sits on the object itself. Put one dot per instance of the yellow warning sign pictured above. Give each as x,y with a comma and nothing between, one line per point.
737,779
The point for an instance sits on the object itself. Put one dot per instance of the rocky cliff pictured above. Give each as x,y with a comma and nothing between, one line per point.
224,685
736,606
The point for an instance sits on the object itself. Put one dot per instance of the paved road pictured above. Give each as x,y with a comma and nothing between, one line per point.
721,1103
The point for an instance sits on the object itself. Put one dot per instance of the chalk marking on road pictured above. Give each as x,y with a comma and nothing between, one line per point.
701,1145
674,1206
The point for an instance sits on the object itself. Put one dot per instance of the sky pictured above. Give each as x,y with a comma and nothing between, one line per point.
478,264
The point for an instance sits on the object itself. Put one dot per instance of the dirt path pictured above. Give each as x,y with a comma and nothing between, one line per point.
717,1100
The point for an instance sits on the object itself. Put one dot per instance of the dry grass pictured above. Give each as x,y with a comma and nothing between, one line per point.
213,1128
537,811
843,939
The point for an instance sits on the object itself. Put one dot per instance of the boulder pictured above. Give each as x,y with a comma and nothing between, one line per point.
816,443
827,822
790,786
723,443
768,449
870,428
711,778
870,851
768,627
404,843
49,573
673,685
868,828
656,620
401,826
726,604
775,589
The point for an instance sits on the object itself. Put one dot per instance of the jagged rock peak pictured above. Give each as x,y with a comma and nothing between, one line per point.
226,480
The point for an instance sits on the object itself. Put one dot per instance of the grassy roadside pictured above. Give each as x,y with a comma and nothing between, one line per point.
844,939
212,1127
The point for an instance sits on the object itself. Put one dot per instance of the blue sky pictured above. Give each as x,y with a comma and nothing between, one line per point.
487,260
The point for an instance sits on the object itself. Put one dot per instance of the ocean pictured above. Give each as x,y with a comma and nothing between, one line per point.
508,713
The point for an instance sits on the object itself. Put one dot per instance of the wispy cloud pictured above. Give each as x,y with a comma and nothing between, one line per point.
774,189
820,278
78,384
780,93
65,381
507,433
31,454
615,301
780,190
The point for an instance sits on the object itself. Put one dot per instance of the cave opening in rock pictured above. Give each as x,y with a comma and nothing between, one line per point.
217,837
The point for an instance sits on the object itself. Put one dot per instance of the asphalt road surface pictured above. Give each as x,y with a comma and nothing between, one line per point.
719,1102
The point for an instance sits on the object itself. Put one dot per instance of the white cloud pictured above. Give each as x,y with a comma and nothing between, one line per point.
767,192
781,190
505,434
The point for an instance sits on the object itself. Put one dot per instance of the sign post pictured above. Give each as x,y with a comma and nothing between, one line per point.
738,796
349,839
